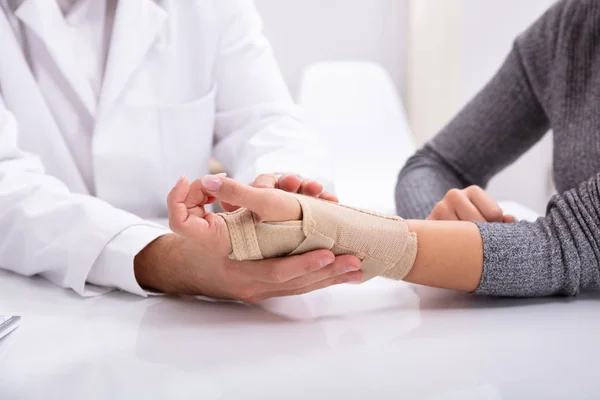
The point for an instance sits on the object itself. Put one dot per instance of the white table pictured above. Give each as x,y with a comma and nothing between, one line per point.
379,340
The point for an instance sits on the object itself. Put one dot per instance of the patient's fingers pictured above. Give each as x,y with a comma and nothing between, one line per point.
290,183
266,204
329,197
488,207
509,219
269,181
265,181
311,188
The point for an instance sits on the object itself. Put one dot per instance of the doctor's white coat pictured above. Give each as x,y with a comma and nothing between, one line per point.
184,79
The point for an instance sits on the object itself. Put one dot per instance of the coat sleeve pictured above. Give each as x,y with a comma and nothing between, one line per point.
47,230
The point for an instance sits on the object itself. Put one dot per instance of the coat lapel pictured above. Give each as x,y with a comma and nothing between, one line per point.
136,28
38,132
45,19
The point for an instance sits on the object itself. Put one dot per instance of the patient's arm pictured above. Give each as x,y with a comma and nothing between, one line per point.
557,254
449,253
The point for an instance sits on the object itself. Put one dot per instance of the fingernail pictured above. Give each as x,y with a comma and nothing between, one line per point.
181,179
354,278
350,268
212,182
223,174
325,262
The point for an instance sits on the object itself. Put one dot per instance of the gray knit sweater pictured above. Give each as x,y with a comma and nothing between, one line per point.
550,80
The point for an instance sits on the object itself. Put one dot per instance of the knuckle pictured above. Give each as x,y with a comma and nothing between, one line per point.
473,189
440,209
264,179
454,194
276,275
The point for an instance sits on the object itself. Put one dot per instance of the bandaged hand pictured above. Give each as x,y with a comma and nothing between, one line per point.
273,223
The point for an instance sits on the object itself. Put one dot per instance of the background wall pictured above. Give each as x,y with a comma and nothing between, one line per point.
438,52
305,31
454,48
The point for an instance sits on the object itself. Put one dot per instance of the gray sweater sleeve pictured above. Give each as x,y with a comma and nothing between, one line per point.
557,254
504,120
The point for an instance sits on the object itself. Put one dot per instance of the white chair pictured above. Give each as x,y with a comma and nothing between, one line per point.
355,107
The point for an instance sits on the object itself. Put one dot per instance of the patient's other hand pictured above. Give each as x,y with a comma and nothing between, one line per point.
470,204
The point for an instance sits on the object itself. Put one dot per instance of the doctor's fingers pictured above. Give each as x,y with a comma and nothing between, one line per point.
290,275
197,196
183,220
350,277
284,269
266,204
346,268
176,198
185,199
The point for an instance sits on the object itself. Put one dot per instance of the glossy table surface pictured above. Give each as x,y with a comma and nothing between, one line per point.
379,340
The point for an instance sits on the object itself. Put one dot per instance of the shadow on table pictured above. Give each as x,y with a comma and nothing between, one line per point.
212,336
441,299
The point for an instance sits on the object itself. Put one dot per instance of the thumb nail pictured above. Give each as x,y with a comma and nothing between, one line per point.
212,182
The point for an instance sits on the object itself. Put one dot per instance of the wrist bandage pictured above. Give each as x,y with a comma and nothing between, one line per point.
383,243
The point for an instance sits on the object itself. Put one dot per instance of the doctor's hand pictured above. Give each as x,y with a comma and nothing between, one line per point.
470,204
288,183
195,260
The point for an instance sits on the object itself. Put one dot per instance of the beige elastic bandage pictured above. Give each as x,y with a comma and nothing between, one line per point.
383,243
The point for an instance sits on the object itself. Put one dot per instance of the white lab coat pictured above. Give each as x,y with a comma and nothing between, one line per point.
183,80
